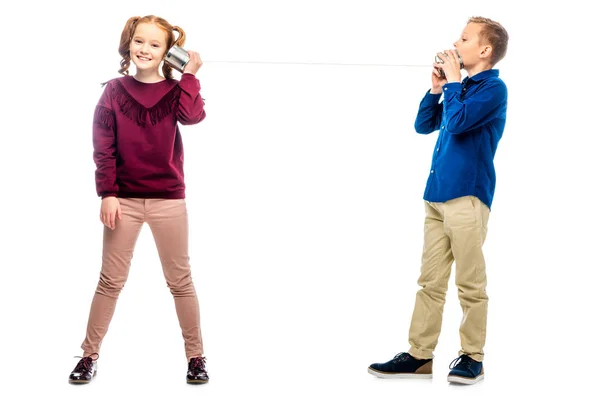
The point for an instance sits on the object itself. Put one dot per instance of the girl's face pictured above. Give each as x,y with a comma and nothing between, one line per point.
148,47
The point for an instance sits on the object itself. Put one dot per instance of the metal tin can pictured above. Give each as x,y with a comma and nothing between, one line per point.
177,58
438,60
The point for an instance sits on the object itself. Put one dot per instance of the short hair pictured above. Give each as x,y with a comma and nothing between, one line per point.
495,35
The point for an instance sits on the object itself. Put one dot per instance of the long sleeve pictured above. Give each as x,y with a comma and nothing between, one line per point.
429,116
104,141
191,105
484,106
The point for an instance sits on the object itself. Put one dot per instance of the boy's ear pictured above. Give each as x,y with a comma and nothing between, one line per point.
486,52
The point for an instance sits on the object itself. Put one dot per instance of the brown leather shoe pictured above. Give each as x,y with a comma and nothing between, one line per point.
197,371
84,371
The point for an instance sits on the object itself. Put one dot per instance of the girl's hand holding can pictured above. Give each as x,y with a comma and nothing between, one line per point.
194,64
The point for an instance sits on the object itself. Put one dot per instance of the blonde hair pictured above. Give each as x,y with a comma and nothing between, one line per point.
127,36
495,35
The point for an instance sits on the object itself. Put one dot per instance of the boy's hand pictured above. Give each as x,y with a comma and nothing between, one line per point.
451,65
110,209
194,64
437,81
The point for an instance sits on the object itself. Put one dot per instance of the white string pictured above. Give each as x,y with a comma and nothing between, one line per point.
318,63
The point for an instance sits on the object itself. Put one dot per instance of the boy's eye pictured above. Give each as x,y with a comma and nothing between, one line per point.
138,41
154,45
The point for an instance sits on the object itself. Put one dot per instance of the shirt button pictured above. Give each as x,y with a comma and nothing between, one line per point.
445,88
432,171
442,126
438,149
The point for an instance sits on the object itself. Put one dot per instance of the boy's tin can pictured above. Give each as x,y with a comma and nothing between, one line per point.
177,58
438,60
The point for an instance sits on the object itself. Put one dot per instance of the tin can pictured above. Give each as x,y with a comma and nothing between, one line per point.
438,60
177,58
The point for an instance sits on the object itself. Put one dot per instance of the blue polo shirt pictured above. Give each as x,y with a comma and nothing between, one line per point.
471,121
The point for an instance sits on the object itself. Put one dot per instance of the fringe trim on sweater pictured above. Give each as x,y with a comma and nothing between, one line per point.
139,113
104,117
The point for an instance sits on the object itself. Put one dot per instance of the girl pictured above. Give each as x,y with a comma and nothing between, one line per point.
138,154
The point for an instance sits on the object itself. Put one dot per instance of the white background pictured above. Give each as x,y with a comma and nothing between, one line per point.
305,188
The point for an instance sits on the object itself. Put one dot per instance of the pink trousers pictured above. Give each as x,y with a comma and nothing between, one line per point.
168,221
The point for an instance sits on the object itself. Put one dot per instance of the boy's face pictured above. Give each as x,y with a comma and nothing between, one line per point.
471,46
148,46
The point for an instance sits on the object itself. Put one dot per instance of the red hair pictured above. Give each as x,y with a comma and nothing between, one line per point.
129,30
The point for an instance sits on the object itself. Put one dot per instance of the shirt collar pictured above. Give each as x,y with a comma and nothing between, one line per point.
488,73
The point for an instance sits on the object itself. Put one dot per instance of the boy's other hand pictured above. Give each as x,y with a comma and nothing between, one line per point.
437,81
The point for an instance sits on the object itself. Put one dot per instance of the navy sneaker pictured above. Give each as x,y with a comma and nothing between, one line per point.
403,365
465,370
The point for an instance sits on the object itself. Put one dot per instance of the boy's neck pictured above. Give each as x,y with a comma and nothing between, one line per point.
474,70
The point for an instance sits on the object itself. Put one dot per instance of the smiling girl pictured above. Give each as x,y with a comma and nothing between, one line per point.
138,153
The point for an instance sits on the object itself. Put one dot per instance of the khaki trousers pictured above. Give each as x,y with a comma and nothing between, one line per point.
168,221
454,232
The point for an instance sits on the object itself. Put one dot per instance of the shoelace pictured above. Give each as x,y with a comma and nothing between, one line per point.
197,364
463,362
85,364
398,357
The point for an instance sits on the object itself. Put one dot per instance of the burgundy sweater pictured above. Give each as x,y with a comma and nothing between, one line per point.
137,144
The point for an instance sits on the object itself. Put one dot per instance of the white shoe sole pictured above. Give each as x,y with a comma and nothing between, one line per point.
463,380
391,375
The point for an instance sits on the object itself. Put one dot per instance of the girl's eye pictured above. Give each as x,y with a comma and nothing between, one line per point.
138,41
154,45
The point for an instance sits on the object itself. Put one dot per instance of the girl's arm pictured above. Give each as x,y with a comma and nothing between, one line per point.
105,148
191,104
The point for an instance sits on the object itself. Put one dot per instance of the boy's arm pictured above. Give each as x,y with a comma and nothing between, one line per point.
191,105
484,106
429,116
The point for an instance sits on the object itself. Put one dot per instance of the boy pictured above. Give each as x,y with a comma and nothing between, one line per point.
458,198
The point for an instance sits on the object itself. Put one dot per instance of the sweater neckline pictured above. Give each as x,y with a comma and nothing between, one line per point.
137,111
146,83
